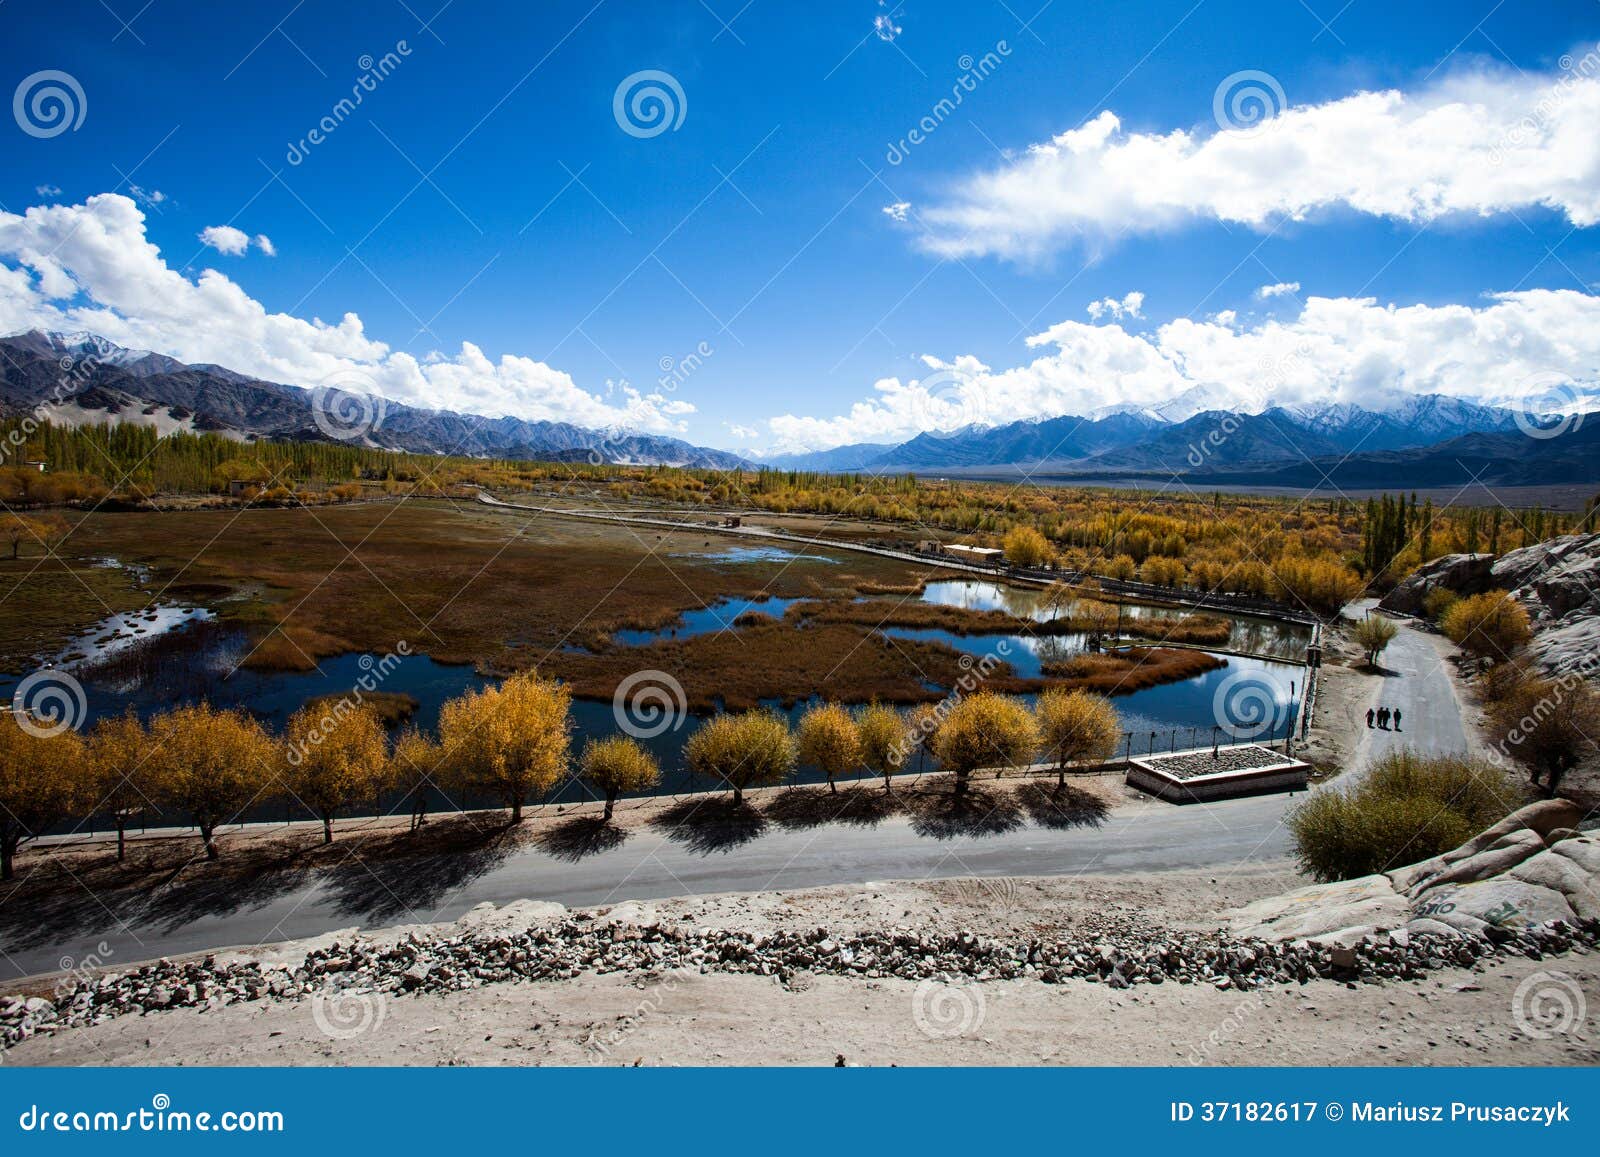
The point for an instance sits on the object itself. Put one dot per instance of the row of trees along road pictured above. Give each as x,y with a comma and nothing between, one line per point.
510,743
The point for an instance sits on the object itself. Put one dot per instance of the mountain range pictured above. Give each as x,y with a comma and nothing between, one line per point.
1428,440
78,377
1432,440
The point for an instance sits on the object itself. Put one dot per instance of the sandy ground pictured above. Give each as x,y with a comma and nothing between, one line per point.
1452,1017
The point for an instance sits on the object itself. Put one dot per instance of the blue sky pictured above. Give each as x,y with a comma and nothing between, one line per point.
484,192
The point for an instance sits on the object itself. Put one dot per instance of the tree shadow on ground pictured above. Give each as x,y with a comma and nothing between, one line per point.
410,873
710,824
166,885
1062,806
812,807
979,811
580,837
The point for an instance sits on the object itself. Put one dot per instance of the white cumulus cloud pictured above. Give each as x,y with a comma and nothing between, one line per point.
1278,289
225,239
264,243
1131,305
91,267
1336,350
1473,145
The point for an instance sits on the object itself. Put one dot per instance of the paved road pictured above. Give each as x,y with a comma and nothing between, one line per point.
1144,837
1416,681
1140,838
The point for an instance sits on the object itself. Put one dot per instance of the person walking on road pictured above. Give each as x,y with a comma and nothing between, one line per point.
1370,714
1397,719
1383,719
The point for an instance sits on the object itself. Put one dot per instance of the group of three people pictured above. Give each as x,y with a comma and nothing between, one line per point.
1383,715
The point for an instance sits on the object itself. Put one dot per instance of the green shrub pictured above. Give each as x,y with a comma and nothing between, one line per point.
1404,809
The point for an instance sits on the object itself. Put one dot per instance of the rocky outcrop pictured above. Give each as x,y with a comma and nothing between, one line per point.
1465,574
1531,870
1559,583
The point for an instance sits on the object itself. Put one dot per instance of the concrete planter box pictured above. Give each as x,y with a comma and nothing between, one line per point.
1173,777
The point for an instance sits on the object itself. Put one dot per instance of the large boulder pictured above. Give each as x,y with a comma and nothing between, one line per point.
1530,868
1536,820
1465,574
1569,648
1340,912
1517,568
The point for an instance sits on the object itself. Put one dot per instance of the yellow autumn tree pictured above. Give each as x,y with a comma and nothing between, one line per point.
1492,625
617,764
334,757
983,731
412,765
120,755
885,740
1076,727
510,742
43,781
829,741
1025,546
752,749
212,764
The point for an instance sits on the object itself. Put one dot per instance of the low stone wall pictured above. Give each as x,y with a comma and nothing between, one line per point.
1180,777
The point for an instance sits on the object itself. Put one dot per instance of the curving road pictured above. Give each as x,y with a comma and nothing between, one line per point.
1144,837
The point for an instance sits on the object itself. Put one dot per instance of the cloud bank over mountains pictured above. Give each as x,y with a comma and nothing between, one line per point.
1337,350
92,267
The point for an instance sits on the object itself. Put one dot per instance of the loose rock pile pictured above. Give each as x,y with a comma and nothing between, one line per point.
438,963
